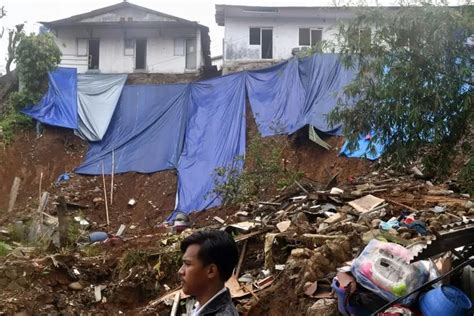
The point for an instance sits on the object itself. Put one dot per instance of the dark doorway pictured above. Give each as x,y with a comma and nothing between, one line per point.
140,54
94,45
267,44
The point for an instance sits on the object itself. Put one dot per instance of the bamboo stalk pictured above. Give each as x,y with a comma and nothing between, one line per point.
39,188
112,179
105,196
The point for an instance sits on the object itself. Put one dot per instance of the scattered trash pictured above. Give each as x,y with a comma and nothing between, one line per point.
98,236
132,202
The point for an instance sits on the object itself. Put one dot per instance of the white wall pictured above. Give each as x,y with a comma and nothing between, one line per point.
160,55
285,35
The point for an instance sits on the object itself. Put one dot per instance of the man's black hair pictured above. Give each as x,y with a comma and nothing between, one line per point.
217,247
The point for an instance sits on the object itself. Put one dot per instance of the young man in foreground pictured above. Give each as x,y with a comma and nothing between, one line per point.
209,258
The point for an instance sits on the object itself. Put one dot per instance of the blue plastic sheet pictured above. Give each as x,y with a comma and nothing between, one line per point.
363,149
145,134
298,92
97,97
58,107
215,137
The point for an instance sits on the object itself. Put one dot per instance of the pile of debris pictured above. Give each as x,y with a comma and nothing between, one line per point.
358,249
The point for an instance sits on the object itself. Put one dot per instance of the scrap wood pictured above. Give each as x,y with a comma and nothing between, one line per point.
401,204
241,259
105,196
250,235
301,187
176,300
168,296
270,203
14,193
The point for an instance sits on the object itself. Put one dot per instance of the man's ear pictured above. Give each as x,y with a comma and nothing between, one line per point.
212,271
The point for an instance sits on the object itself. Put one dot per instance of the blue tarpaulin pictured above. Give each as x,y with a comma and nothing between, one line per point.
363,149
97,97
199,127
145,134
58,107
288,96
215,137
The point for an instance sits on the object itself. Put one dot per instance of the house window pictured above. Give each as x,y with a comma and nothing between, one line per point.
254,35
309,36
81,47
129,47
179,46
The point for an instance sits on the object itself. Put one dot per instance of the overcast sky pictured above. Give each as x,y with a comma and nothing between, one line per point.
202,11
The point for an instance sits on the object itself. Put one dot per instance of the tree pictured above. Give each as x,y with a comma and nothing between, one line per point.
14,37
35,56
413,87
2,14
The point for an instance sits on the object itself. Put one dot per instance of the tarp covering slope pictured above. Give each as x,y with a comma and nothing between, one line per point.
97,97
58,107
363,149
298,92
215,137
145,134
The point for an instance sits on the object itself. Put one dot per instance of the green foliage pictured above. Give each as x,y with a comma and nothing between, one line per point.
35,56
11,122
91,250
132,258
4,249
412,64
264,170
466,177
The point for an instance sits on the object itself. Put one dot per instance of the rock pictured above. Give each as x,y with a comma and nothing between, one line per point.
301,252
393,232
97,200
405,235
323,307
76,286
469,204
471,212
375,223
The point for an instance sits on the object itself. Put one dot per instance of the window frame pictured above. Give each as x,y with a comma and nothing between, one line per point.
311,29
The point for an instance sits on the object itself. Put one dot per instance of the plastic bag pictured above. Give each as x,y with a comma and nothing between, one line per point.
382,268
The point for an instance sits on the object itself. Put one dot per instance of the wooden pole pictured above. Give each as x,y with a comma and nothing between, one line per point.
241,259
105,196
112,179
62,221
39,188
14,193
39,212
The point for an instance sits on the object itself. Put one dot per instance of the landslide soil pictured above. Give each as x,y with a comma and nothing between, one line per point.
41,160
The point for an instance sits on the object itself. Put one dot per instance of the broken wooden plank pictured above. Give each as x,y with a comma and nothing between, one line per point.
241,258
14,193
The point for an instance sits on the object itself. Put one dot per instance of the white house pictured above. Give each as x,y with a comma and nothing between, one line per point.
126,38
254,33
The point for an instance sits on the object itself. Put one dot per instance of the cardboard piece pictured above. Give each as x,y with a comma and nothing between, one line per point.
366,204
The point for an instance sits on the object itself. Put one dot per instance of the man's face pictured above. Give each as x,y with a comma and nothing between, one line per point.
194,275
